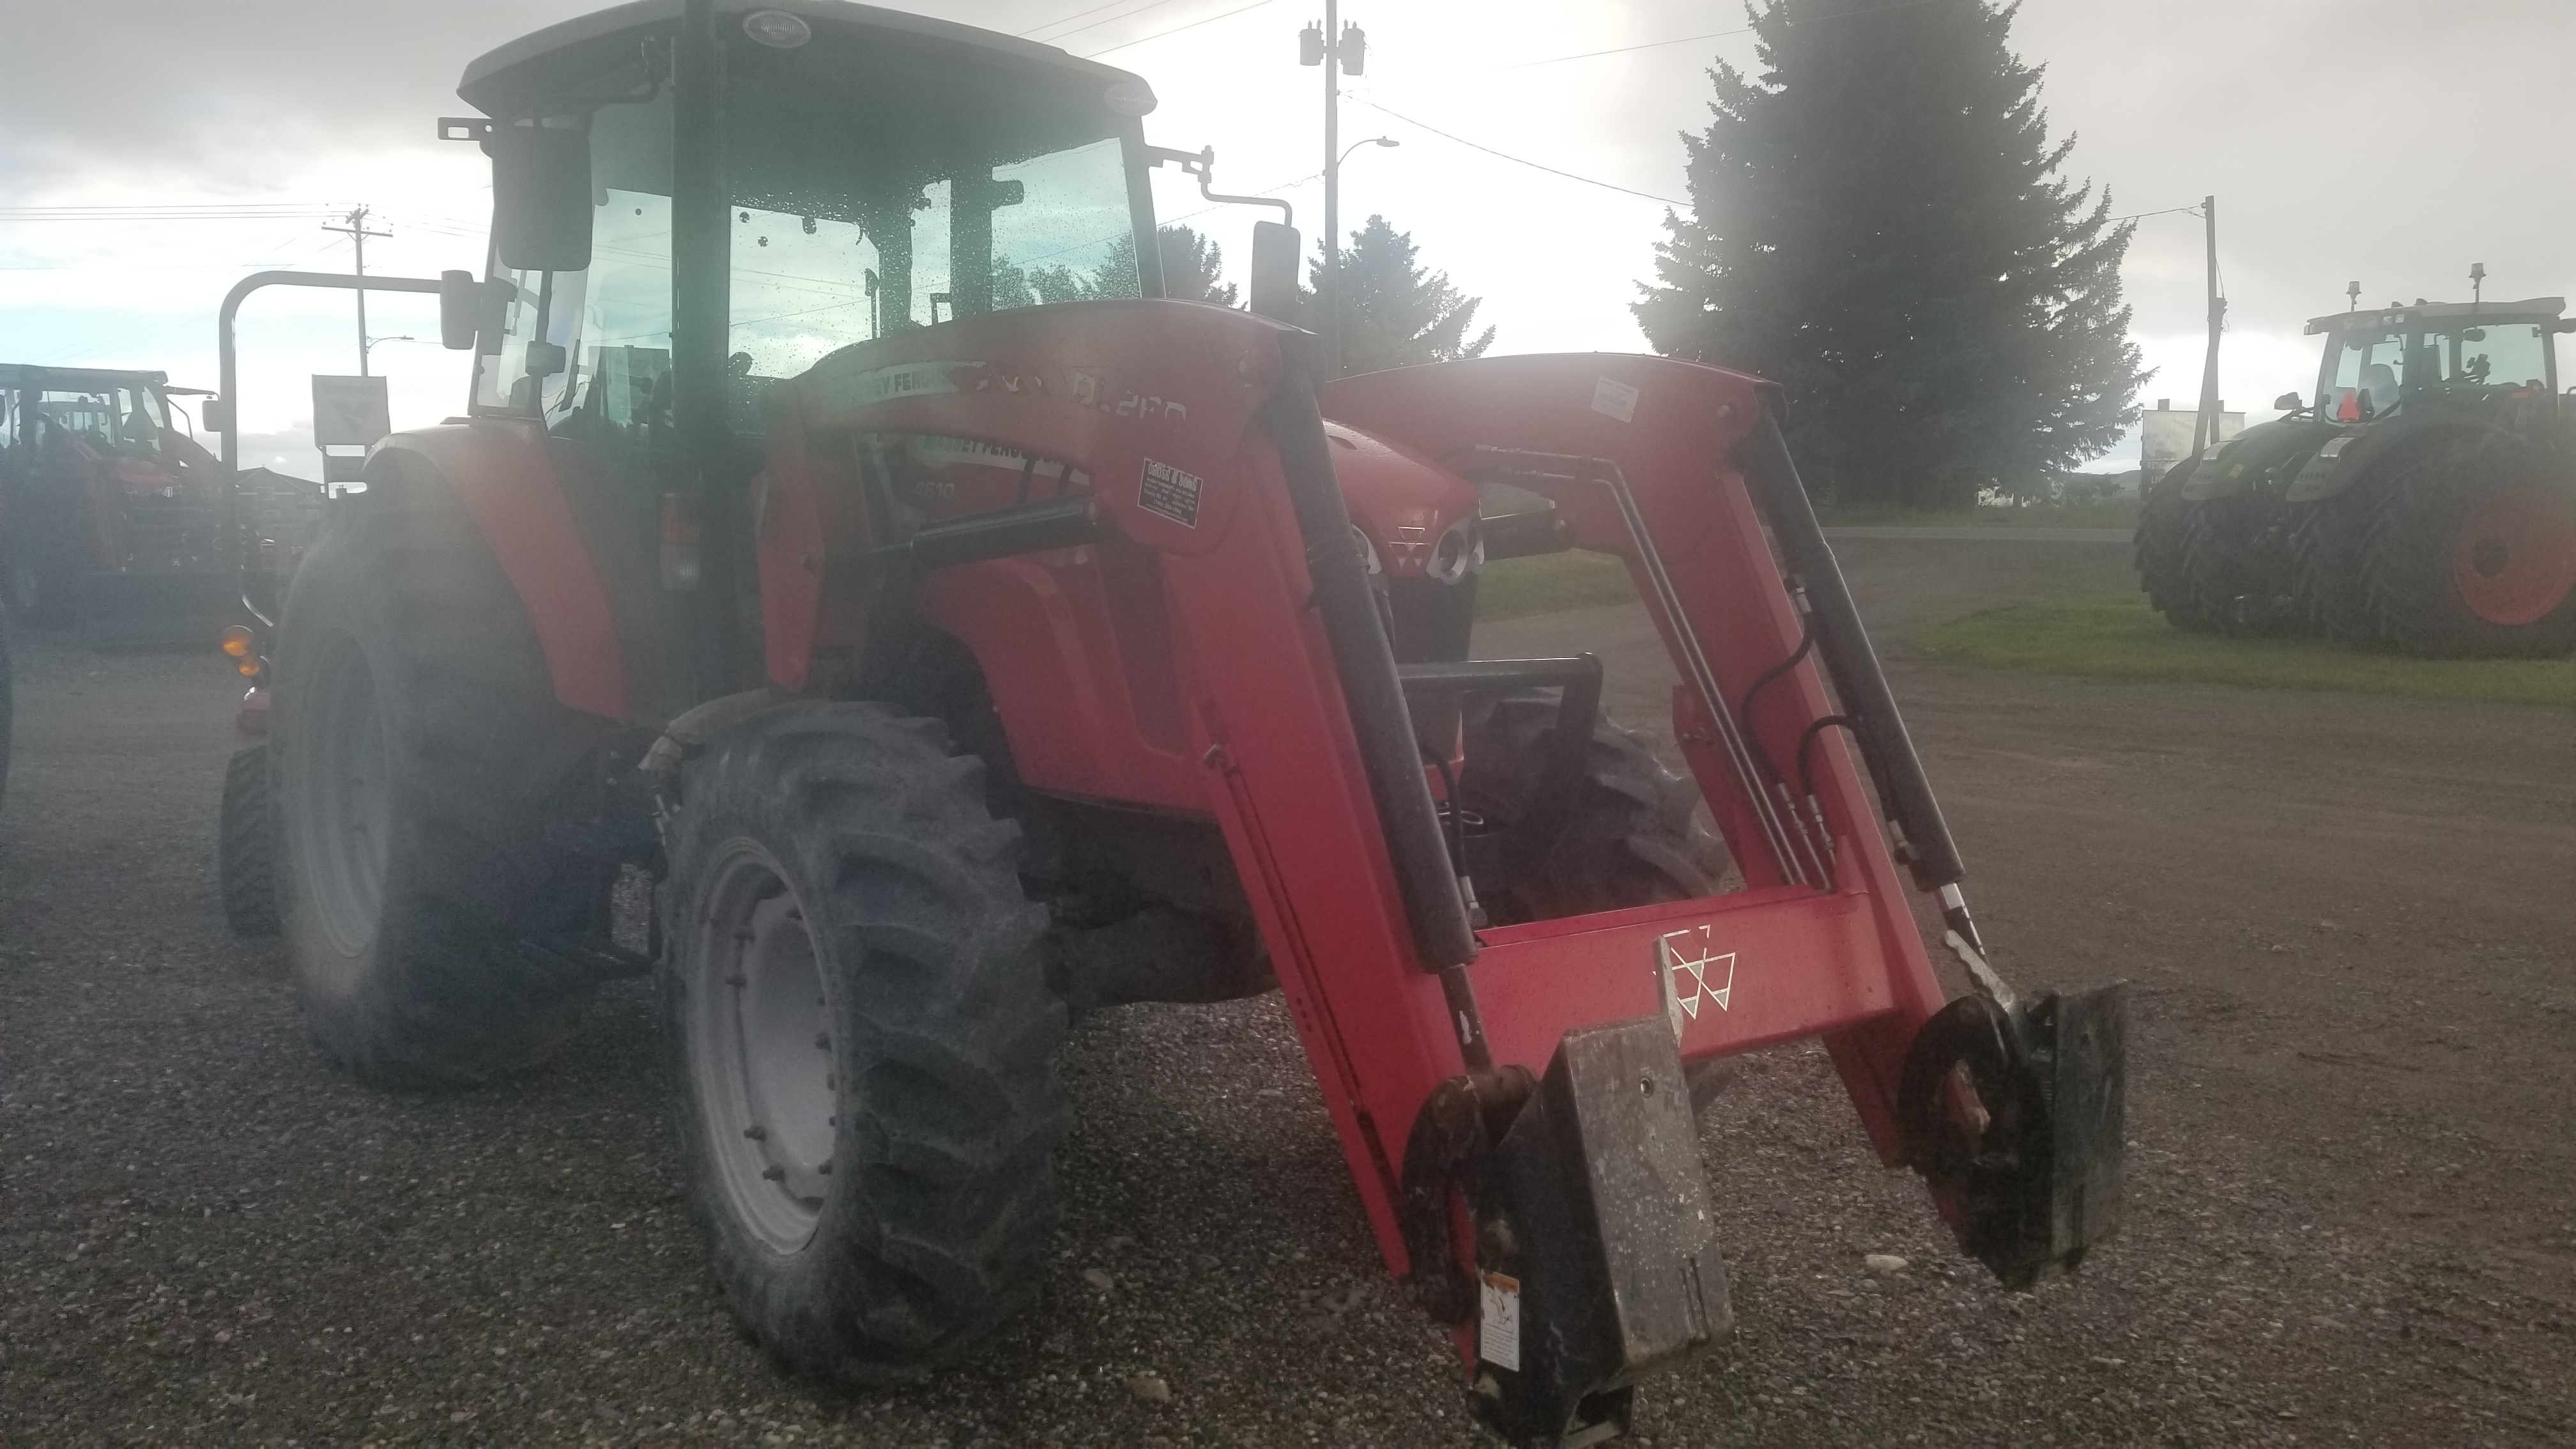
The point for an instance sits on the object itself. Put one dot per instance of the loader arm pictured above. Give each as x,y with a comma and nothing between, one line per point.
1509,1099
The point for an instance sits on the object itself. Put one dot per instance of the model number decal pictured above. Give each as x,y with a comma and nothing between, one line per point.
1170,492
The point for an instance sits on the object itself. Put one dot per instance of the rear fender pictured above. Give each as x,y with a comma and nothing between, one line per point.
499,470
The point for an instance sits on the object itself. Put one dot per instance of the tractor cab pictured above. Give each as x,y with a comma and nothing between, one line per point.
683,220
2449,357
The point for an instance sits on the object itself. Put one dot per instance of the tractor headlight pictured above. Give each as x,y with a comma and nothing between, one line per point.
777,29
1460,552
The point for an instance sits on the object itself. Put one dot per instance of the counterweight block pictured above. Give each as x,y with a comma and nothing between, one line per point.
1598,1263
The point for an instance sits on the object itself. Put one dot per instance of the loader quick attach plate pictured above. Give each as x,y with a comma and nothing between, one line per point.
1597,1259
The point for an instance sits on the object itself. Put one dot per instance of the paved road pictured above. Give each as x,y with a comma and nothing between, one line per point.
2348,919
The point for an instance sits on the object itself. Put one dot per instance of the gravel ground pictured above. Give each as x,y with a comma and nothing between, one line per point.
2350,1214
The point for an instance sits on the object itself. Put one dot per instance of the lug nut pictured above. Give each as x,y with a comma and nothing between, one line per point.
773,1174
823,1040
756,1132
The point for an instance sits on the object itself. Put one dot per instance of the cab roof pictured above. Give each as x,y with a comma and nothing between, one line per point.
77,379
492,78
2393,319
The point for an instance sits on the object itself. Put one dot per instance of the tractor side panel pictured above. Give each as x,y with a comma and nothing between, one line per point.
499,470
1075,646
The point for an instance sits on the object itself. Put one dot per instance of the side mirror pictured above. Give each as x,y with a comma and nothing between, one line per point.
2288,401
541,192
460,310
1275,249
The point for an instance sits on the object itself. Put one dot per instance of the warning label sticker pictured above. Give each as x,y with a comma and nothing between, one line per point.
1170,492
1613,398
1498,1330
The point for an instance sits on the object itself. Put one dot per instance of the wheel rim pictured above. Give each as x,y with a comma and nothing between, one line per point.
347,801
761,1050
2513,559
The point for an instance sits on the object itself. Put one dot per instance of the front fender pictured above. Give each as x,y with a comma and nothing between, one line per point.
2256,459
498,469
2345,458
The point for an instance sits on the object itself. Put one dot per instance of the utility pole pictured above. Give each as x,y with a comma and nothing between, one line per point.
2205,429
1339,51
357,232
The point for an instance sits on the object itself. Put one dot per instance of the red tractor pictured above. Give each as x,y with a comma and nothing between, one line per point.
110,512
846,534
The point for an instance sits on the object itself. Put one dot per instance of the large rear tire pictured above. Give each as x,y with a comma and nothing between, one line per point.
245,845
2472,552
2158,546
423,766
864,1040
1638,837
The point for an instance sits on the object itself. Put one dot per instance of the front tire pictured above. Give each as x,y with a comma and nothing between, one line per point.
245,845
423,767
1639,835
2158,548
865,1043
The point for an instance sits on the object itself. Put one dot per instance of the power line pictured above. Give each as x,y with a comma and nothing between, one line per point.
1708,35
1077,15
1177,29
1519,160
1104,20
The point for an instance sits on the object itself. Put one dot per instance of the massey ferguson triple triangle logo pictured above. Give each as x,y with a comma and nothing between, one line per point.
1693,971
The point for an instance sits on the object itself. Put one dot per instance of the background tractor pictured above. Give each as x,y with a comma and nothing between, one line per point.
846,537
111,513
2424,499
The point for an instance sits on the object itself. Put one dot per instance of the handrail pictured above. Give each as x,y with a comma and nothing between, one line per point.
341,281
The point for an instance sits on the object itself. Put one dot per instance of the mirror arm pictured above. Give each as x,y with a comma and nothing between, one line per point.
1202,164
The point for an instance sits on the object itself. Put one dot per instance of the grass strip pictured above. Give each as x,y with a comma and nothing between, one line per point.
1515,588
2122,638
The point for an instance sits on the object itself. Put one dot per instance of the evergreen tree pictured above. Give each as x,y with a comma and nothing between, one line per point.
1193,268
1193,271
1878,226
1395,313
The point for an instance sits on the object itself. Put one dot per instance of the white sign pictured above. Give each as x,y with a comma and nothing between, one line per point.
349,412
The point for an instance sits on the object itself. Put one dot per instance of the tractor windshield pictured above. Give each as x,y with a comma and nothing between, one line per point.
125,420
875,193
2496,354
876,186
2364,375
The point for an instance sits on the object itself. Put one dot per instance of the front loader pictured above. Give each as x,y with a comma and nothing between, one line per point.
846,536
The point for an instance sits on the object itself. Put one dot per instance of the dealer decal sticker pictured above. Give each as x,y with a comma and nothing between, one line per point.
1170,492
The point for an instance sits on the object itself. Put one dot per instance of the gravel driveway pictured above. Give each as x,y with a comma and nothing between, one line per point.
2354,1103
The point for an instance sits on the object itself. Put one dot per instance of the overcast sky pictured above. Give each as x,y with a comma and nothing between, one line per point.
2389,141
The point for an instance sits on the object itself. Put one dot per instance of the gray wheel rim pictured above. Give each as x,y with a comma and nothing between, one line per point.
760,1049
347,801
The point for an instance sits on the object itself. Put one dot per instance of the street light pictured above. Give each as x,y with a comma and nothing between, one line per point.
1372,141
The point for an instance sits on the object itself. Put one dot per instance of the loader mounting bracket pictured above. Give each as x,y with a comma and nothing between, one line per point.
2015,1115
